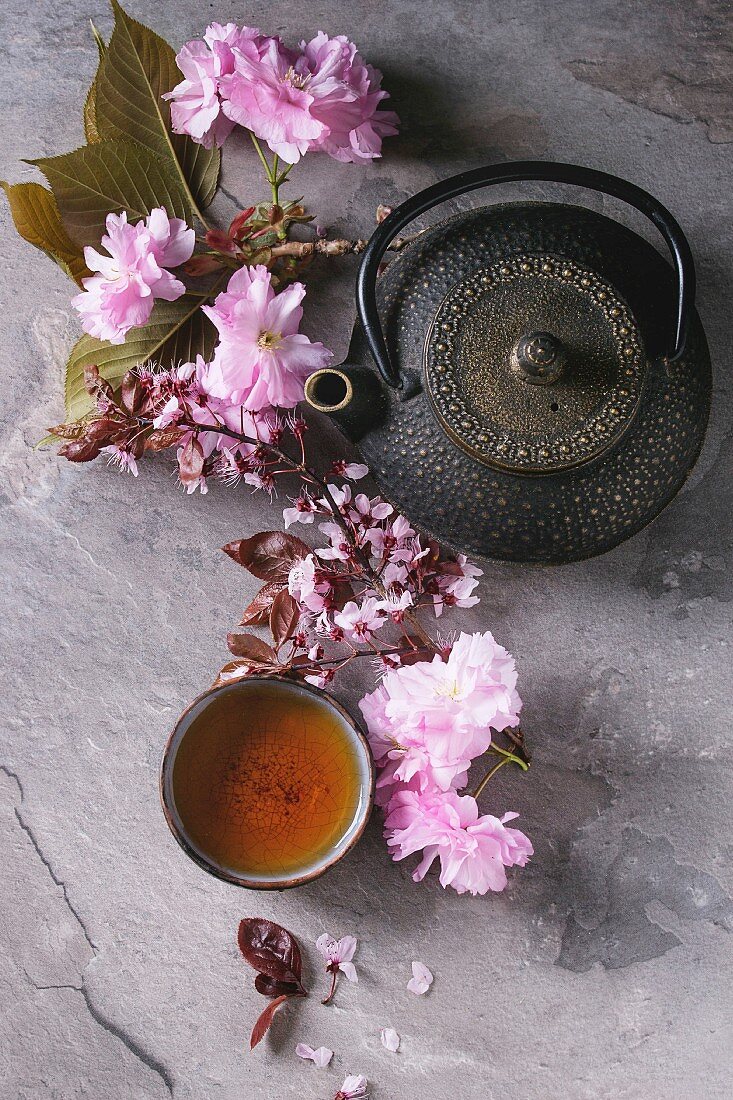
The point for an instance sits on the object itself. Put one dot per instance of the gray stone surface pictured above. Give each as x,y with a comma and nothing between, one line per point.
604,970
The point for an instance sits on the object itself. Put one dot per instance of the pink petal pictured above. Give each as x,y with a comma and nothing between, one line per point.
349,970
390,1039
346,948
321,1057
323,942
421,979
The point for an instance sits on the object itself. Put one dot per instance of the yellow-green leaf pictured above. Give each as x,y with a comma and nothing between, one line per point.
137,68
91,130
176,333
37,219
95,180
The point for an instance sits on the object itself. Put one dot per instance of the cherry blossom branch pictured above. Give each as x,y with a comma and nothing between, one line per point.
340,247
305,471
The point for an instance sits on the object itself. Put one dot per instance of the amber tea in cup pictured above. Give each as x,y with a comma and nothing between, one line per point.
266,783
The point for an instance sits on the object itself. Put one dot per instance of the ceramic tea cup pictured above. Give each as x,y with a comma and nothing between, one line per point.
266,783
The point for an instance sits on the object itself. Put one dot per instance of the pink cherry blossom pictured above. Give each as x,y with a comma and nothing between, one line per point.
354,470
394,540
395,604
133,274
320,96
390,1039
474,850
119,456
355,128
366,511
338,954
360,621
421,979
353,1086
303,510
261,360
321,1056
196,107
455,588
307,585
340,549
440,713
268,96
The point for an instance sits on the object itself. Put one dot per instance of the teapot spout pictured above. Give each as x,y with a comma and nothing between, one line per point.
352,396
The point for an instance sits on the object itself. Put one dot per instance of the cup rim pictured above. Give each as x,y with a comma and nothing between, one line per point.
242,880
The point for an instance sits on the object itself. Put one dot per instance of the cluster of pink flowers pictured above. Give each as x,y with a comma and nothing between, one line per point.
258,366
321,95
134,274
427,722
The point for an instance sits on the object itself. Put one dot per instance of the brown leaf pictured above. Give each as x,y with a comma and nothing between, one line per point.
268,554
268,987
270,949
191,462
132,392
284,617
236,670
94,383
251,647
258,611
264,1020
80,450
414,656
74,430
161,438
202,265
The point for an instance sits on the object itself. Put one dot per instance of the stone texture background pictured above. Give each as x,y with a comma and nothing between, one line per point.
603,971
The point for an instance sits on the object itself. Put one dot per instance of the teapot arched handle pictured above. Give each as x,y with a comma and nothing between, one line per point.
514,171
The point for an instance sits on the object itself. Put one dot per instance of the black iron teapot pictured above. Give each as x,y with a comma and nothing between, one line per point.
543,380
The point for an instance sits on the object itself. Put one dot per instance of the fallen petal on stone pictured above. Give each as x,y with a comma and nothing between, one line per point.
421,979
390,1039
322,1056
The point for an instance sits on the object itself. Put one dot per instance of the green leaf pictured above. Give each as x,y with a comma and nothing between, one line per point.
176,333
137,68
91,130
37,219
111,176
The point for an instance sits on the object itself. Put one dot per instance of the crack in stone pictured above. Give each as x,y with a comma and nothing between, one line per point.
119,1033
107,1025
58,882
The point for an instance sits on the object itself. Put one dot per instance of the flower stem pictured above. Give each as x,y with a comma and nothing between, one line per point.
509,757
263,158
506,758
329,997
492,771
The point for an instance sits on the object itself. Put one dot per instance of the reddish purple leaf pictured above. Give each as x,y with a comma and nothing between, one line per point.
262,1025
284,617
268,987
270,949
191,462
259,610
268,554
161,438
252,648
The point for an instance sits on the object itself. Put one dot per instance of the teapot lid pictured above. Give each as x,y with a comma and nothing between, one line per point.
534,364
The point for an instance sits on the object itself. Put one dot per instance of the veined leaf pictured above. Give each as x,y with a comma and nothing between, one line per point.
176,333
137,68
37,219
91,130
92,181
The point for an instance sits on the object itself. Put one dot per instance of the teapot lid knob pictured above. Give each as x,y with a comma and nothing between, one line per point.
539,357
